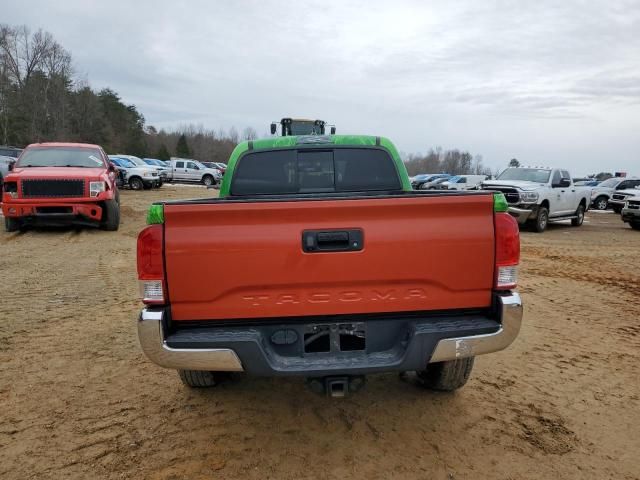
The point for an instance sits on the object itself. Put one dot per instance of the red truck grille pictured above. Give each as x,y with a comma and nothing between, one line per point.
52,188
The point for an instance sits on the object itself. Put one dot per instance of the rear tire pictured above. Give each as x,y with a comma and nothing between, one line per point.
199,378
601,203
576,222
635,225
617,209
111,213
446,376
542,220
12,224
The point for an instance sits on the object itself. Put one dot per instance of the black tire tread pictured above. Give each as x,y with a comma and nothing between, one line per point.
111,223
536,223
198,378
575,221
447,376
595,202
11,224
213,180
135,180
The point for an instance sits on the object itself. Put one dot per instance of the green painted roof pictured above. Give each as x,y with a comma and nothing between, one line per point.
299,142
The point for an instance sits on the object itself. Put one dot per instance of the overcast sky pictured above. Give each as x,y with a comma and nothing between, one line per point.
551,83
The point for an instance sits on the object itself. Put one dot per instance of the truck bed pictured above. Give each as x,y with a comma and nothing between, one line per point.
251,258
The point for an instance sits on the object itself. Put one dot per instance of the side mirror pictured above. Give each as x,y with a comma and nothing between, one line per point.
11,166
333,130
563,183
274,128
112,167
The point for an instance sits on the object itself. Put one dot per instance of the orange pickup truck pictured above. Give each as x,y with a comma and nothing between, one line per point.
320,261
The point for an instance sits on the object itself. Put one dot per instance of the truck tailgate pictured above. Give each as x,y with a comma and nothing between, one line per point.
243,260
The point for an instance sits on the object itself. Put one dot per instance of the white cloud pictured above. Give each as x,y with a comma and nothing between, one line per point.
547,82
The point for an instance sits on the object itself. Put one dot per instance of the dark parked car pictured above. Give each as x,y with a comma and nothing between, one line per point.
435,184
419,180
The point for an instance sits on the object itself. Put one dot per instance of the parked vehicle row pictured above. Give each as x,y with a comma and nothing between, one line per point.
135,176
420,181
462,182
601,194
8,156
630,212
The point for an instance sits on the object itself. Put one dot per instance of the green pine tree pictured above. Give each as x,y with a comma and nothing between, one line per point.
163,153
182,149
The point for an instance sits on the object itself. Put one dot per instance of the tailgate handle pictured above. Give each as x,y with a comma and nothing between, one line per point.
332,240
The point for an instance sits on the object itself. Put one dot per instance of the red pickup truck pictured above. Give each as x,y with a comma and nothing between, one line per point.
320,261
61,183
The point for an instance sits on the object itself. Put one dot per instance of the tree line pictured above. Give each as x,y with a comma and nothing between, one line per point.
453,161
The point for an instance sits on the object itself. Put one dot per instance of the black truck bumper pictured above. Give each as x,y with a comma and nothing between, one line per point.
330,346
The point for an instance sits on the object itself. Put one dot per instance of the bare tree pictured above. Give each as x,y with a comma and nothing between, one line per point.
249,133
233,135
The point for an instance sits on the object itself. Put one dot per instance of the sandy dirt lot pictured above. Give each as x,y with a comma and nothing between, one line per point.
79,400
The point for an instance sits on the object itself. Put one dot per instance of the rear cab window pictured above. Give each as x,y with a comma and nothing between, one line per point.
317,170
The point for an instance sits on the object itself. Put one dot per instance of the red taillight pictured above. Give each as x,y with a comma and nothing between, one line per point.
151,265
507,251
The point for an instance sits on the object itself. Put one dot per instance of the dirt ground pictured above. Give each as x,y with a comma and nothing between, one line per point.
79,400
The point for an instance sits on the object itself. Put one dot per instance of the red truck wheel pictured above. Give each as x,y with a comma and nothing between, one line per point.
111,214
11,224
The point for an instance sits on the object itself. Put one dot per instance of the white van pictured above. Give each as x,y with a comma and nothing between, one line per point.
463,182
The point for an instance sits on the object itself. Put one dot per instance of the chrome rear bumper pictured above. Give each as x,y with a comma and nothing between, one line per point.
454,348
152,341
422,347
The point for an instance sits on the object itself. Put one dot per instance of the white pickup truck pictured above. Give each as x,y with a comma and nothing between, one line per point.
188,170
537,196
